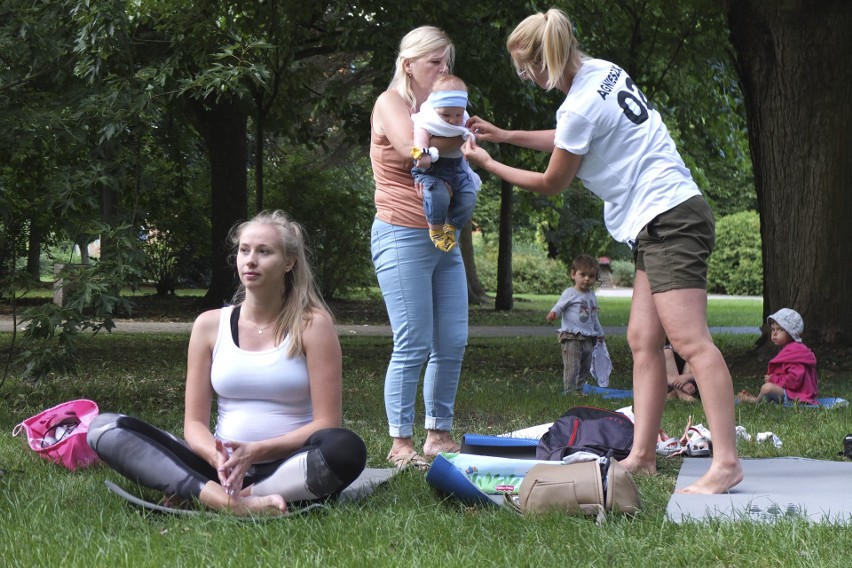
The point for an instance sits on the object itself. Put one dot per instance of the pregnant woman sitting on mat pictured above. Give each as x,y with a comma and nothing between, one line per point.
273,362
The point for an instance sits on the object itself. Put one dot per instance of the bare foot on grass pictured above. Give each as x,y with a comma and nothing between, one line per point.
639,467
745,396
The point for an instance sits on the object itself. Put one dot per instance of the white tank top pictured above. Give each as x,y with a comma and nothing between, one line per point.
260,394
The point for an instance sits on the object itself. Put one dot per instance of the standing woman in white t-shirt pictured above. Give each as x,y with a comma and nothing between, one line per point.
272,361
610,136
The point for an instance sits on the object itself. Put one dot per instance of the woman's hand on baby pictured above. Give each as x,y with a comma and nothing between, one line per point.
474,154
484,130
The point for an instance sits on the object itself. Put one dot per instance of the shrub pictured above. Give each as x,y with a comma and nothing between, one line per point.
622,273
736,266
335,206
532,271
537,274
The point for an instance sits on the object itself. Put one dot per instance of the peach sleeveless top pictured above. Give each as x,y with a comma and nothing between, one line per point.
396,199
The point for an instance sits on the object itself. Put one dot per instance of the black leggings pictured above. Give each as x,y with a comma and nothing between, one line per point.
330,460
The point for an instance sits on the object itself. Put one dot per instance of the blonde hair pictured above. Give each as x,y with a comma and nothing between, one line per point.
448,83
545,42
417,43
298,288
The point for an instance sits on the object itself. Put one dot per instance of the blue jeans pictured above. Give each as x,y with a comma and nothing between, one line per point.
439,207
425,291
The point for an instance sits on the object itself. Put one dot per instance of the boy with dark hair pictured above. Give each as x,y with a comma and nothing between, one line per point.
580,328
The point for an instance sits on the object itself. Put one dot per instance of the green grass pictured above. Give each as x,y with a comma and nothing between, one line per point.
613,311
52,517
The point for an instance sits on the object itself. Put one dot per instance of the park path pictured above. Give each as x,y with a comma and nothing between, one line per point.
135,326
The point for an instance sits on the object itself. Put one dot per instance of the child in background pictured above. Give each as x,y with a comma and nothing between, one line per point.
792,373
443,114
580,328
681,381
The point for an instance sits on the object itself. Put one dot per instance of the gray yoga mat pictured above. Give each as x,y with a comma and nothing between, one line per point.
365,483
361,488
773,488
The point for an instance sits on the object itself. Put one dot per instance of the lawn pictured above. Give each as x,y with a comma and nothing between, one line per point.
53,517
366,307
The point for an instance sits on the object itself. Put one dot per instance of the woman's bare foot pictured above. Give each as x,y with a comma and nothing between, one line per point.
438,441
249,504
639,467
718,479
214,496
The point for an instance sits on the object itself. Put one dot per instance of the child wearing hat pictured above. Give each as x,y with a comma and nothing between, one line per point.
792,373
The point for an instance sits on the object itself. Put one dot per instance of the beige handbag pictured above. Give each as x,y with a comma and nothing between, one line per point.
577,488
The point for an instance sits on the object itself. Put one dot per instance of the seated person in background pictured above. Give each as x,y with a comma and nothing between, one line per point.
681,382
792,373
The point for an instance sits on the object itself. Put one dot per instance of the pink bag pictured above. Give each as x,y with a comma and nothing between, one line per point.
59,433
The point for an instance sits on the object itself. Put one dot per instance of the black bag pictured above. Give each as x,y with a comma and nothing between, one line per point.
587,429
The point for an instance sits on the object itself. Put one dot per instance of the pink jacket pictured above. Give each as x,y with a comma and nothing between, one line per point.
794,370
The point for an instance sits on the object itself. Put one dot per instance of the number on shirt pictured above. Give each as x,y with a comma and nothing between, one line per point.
635,106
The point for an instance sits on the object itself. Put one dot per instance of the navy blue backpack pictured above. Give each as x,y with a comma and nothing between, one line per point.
587,429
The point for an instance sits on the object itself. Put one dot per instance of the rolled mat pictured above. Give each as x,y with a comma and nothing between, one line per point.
499,446
476,479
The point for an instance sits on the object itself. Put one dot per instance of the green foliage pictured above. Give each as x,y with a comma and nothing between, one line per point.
532,271
161,262
334,204
91,296
623,272
736,265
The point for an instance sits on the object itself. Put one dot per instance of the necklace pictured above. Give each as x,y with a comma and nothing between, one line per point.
259,329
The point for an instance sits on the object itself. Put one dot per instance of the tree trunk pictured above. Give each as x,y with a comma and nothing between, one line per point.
475,291
505,299
258,164
793,58
222,125
34,249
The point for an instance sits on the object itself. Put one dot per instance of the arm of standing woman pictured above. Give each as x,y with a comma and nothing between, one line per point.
391,117
560,171
541,140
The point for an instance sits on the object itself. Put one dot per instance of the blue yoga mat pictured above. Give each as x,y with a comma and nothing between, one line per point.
824,402
499,446
607,392
478,480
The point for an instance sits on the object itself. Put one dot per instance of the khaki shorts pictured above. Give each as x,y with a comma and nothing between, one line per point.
673,248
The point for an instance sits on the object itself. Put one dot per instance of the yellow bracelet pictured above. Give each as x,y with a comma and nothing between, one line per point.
417,153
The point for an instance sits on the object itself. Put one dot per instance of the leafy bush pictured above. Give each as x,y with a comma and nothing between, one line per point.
532,271
161,263
335,206
736,266
622,273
